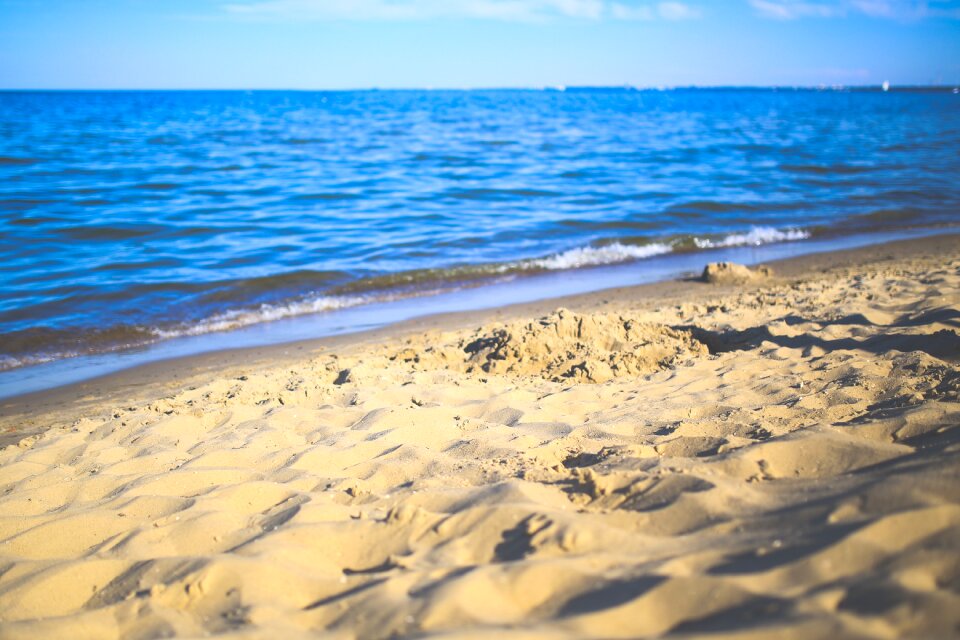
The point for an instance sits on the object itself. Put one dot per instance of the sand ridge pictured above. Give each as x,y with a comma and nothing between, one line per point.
782,460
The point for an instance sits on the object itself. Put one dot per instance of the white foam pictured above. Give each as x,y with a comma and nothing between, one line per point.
572,259
756,237
616,252
590,256
10,362
237,318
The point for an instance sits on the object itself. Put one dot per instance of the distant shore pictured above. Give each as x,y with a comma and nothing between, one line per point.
239,219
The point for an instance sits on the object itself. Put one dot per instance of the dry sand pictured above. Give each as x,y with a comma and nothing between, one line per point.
779,459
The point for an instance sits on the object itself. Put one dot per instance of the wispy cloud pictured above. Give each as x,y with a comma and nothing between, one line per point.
627,12
790,10
505,10
661,10
893,9
677,11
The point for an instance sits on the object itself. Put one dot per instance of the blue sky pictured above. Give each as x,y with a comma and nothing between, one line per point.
313,44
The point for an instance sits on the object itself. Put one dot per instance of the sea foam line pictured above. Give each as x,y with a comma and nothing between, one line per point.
616,252
594,256
578,257
11,362
237,318
756,236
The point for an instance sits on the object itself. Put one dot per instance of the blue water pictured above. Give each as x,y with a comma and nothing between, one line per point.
132,218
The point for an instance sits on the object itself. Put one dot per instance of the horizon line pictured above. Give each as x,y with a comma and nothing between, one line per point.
558,88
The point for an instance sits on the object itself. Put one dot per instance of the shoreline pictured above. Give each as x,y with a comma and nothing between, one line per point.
466,296
162,376
773,458
63,372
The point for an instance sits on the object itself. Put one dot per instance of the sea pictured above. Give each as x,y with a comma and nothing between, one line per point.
163,223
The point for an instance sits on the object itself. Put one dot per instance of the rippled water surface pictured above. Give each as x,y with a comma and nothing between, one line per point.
136,216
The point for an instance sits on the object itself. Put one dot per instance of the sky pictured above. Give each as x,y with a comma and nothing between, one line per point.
353,44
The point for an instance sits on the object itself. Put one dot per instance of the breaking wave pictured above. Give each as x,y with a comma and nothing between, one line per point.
237,318
35,347
756,236
594,256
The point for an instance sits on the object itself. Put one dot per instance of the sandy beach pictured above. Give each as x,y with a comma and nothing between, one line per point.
770,456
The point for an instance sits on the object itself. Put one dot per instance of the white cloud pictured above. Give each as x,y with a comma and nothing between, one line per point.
790,9
677,11
894,9
664,10
506,10
627,12
878,8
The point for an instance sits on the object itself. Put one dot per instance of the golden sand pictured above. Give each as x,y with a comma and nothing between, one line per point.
778,460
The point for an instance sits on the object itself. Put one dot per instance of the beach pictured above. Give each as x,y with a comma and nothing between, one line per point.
227,215
772,454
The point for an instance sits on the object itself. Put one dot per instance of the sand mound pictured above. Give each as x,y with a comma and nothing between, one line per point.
579,347
733,273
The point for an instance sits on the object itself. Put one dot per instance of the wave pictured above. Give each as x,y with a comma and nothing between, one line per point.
826,170
756,237
595,256
499,194
326,196
13,160
238,318
37,346
156,186
48,345
43,344
14,362
407,283
602,253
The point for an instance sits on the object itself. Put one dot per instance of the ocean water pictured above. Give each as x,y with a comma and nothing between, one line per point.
130,218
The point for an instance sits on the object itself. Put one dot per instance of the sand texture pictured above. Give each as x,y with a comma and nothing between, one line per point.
732,273
779,460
